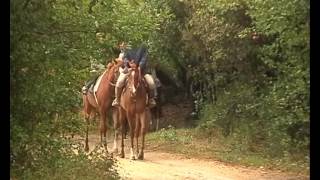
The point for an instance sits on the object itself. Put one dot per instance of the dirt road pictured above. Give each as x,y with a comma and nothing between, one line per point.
161,165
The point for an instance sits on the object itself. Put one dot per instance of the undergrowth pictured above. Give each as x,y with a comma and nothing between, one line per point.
213,145
49,153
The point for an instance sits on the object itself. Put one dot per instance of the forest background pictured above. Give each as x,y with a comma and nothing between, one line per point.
245,64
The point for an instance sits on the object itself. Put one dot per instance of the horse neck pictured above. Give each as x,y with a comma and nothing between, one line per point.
136,79
133,80
105,83
137,82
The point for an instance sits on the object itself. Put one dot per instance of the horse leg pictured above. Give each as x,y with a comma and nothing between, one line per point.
136,133
130,119
103,130
122,141
157,119
152,117
86,148
116,125
143,129
126,126
87,111
122,129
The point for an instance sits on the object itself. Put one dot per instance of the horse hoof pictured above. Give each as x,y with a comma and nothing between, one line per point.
121,155
109,155
106,149
86,149
133,158
140,157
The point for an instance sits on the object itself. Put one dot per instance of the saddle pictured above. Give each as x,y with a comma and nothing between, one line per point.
95,85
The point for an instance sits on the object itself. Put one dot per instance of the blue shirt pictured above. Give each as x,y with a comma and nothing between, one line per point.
139,56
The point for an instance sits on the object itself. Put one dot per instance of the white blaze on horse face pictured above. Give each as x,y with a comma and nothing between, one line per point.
133,88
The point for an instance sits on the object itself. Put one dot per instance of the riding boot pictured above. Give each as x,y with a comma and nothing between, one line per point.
151,100
116,101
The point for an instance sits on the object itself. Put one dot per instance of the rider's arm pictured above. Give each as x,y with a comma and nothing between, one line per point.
143,60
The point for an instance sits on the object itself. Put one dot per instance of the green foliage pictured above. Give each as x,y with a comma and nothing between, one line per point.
212,144
51,45
46,153
236,114
171,134
260,85
244,62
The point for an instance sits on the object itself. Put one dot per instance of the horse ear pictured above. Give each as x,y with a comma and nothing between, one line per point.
109,65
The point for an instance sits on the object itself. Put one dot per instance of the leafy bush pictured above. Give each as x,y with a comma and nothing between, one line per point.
250,71
243,115
168,134
172,135
45,154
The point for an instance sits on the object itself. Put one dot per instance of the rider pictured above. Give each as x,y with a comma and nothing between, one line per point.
139,57
96,69
123,49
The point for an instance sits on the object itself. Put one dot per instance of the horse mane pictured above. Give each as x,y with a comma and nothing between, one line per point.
111,66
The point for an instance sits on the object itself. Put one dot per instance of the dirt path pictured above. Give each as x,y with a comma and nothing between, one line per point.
161,165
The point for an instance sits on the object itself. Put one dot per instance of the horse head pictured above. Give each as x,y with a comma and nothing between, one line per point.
113,69
134,80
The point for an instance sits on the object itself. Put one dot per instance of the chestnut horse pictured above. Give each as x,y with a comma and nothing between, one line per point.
133,108
101,101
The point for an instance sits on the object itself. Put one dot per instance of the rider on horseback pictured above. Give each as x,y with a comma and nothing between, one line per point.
139,57
97,68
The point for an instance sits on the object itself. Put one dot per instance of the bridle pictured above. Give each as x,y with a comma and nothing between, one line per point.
133,86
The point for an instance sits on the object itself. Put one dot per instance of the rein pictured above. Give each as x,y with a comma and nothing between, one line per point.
111,83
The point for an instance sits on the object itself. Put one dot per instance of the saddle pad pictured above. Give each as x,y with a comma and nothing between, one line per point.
96,86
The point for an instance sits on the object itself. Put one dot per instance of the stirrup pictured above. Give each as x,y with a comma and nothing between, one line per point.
152,103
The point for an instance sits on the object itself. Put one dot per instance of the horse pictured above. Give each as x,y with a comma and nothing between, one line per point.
133,108
156,111
101,101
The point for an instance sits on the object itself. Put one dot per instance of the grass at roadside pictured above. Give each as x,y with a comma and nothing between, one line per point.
194,143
